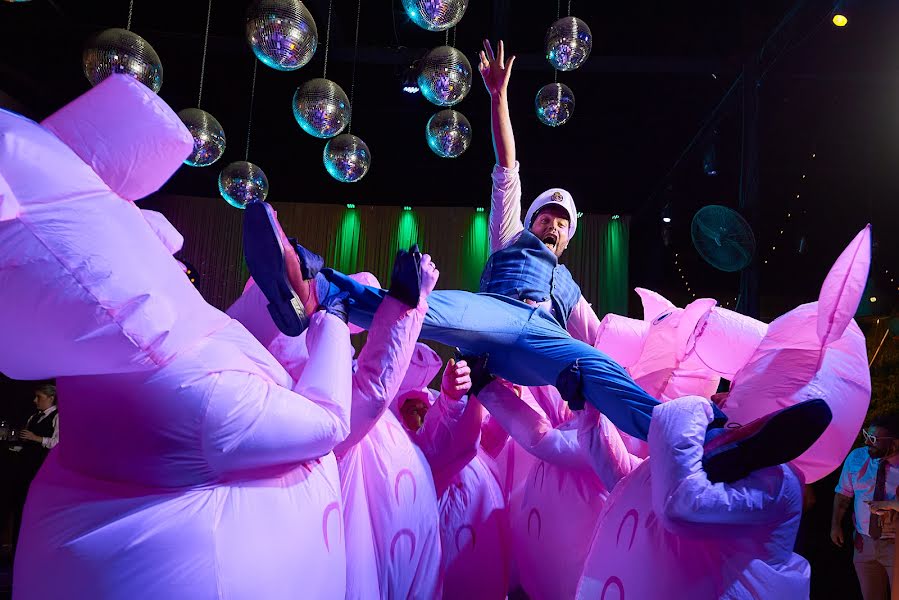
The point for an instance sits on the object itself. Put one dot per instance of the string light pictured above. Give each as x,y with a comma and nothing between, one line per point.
788,217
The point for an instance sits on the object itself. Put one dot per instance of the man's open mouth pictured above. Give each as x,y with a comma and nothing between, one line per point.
550,240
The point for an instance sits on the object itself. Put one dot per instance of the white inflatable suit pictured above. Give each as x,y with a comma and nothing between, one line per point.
192,466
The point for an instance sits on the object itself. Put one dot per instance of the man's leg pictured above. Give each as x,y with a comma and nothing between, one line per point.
525,345
872,577
475,323
583,373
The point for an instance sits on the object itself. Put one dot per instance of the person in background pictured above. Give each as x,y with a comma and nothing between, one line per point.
40,434
43,426
870,476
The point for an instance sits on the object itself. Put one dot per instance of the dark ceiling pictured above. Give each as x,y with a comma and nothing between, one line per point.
657,80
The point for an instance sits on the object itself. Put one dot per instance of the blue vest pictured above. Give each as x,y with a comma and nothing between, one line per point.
528,270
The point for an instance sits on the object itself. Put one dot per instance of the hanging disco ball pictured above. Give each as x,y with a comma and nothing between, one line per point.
568,43
448,133
435,15
209,137
242,182
347,158
321,108
445,76
281,33
554,104
121,51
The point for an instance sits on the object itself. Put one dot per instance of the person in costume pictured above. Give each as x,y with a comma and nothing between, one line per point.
388,501
715,535
525,256
706,541
193,465
554,494
446,426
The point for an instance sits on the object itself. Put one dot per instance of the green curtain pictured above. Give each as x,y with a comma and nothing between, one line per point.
613,289
347,249
474,250
367,238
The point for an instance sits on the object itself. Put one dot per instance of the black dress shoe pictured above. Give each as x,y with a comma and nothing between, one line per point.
269,261
771,440
405,282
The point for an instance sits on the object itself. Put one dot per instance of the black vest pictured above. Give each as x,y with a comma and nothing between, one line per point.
34,453
43,427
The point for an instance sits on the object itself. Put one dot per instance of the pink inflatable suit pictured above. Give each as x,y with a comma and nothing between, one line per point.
193,466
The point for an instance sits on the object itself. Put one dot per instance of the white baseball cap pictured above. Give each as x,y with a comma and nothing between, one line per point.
554,196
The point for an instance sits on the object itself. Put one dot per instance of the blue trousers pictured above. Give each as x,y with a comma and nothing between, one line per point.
526,346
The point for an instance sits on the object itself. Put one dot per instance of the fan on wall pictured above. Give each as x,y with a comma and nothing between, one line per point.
723,238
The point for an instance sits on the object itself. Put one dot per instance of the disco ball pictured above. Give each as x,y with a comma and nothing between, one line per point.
347,158
445,76
121,51
209,137
554,104
281,33
321,108
435,15
568,43
242,182
448,133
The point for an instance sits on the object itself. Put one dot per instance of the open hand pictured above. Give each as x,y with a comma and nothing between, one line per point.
495,70
836,536
30,437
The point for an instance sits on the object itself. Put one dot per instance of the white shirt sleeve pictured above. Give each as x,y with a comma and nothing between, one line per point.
50,442
505,207
583,323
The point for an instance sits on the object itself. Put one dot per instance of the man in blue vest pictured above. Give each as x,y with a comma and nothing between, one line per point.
525,259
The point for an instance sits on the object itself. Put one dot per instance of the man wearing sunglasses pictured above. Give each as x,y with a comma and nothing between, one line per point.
870,474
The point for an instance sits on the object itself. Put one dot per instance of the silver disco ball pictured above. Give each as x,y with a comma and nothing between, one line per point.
242,182
321,108
347,158
568,43
554,104
209,137
448,133
281,33
445,76
435,15
121,51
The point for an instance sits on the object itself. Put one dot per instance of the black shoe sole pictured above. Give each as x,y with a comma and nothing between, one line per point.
265,259
784,437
